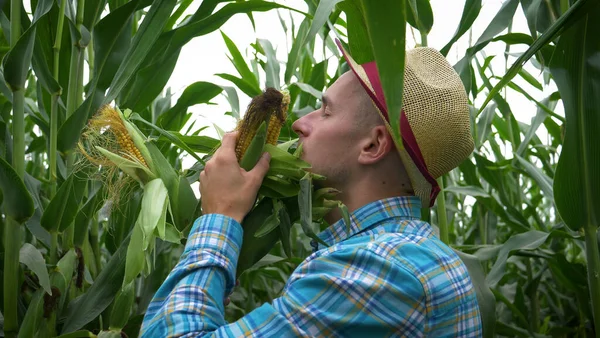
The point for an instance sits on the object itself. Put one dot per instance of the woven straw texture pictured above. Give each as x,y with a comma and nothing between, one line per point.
435,103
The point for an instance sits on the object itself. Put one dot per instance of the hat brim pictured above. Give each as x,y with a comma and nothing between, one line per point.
424,185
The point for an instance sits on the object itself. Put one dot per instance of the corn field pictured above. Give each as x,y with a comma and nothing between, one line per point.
93,222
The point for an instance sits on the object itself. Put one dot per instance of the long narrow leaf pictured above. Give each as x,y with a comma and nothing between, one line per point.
575,12
386,24
169,136
99,296
469,14
147,34
32,258
18,203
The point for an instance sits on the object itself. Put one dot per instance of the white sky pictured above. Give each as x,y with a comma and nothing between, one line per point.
207,55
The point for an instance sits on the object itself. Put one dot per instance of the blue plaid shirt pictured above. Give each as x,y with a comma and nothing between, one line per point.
389,276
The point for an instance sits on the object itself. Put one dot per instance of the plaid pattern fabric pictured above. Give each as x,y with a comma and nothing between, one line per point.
390,276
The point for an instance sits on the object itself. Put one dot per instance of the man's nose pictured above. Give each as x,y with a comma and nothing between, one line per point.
299,126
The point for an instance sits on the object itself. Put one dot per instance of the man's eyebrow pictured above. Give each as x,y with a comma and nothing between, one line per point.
325,100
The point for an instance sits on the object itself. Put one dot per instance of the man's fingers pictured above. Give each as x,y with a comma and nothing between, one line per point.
229,140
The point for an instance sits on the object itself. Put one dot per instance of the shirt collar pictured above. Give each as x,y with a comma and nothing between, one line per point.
407,207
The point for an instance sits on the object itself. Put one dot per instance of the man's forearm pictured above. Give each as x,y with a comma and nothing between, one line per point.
191,298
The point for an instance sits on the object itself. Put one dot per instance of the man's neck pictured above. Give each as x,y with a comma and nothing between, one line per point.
364,192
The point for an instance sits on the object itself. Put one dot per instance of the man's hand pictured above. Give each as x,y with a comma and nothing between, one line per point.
225,187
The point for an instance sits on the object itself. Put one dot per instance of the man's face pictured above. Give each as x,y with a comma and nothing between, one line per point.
330,134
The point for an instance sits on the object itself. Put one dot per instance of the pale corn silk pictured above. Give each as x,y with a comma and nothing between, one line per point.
390,276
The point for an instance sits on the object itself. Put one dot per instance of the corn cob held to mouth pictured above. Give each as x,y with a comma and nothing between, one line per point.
264,118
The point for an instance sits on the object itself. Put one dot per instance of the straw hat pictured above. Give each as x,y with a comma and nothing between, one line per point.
434,123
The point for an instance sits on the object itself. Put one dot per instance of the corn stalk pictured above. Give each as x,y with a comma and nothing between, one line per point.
12,229
74,97
54,120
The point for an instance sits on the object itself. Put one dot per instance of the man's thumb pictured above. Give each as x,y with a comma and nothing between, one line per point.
262,166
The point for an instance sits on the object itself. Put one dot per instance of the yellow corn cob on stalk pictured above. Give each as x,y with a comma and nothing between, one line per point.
269,107
108,120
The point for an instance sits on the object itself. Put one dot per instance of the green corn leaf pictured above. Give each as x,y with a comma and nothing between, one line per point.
172,235
43,56
253,250
420,15
309,90
170,136
498,24
134,169
78,334
578,9
169,43
93,11
196,93
110,334
18,203
272,222
386,25
240,64
272,66
484,124
525,75
153,211
147,34
536,122
467,190
70,131
276,187
298,47
66,266
199,143
285,226
245,86
63,208
255,148
485,297
147,83
305,204
524,241
469,14
16,62
121,309
87,213
32,258
345,215
185,206
136,258
358,37
98,297
33,316
575,70
544,182
306,34
112,40
233,99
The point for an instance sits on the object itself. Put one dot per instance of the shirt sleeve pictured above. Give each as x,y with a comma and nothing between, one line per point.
348,292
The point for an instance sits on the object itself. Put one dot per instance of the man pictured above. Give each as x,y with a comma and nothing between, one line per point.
390,275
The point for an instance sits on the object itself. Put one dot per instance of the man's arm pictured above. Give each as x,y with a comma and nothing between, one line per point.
350,292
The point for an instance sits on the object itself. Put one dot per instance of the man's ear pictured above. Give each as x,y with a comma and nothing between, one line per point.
375,145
